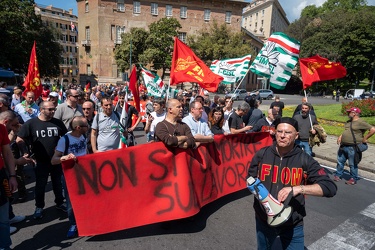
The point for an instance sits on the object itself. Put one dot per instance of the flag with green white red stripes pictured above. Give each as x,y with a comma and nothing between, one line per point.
232,70
277,59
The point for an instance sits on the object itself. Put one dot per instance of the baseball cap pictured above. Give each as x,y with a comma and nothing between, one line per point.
54,94
354,109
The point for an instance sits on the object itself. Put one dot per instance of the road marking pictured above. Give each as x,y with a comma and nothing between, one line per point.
356,233
334,169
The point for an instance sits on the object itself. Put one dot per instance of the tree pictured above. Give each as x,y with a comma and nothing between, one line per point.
159,44
340,31
19,27
219,42
134,41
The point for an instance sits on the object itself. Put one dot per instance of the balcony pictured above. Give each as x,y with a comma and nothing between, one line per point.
86,43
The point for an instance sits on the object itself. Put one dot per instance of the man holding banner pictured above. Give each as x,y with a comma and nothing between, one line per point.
281,169
171,131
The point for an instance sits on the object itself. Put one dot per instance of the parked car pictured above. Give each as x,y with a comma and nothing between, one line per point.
238,94
264,93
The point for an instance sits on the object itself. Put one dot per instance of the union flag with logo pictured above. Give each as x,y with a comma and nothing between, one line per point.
317,68
187,67
32,80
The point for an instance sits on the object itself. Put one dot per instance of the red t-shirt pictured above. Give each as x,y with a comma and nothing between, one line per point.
4,140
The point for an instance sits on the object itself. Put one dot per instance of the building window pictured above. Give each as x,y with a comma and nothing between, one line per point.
87,6
183,12
137,7
119,30
262,12
65,61
207,14
228,16
87,33
256,16
120,5
73,39
168,10
88,69
154,9
182,36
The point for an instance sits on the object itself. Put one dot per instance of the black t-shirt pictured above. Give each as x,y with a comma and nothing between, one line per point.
278,104
43,137
235,121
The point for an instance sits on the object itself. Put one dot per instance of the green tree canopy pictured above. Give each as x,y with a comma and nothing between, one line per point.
340,30
19,27
219,42
154,47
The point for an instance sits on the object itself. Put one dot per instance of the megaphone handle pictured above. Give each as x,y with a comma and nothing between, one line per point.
286,202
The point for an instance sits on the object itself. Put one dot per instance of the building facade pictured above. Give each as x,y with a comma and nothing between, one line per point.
101,23
264,17
65,24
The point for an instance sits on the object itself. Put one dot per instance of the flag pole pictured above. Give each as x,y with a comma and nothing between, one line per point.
169,87
311,125
240,82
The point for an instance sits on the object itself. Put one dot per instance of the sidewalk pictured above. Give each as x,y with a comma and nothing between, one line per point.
328,151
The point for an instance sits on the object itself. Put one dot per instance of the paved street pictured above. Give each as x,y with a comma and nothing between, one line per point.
227,223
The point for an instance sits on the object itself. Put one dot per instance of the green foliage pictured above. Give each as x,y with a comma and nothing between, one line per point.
366,106
19,27
219,42
134,41
154,47
340,30
160,43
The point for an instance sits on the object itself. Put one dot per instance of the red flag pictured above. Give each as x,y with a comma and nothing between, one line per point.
88,86
32,81
317,68
133,88
187,67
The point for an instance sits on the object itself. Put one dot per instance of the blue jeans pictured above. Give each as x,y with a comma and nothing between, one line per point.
42,171
292,238
346,153
5,240
69,207
305,146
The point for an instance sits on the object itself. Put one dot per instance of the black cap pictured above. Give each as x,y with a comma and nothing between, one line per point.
288,120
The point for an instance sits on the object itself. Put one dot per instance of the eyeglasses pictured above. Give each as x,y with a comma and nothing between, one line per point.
106,105
86,108
50,109
75,96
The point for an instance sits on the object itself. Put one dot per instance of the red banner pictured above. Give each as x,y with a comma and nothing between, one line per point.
187,67
150,183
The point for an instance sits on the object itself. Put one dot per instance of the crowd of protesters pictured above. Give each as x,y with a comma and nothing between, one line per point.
44,131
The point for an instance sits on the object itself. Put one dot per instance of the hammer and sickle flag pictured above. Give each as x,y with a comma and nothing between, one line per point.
317,68
187,67
32,80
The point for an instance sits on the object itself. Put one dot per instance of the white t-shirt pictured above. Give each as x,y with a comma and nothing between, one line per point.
227,113
157,118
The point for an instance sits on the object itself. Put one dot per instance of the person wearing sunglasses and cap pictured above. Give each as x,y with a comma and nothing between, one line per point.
353,134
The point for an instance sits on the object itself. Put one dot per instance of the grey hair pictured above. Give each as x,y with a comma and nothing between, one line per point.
244,106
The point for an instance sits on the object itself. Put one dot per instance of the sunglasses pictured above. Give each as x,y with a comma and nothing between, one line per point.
50,109
75,96
86,108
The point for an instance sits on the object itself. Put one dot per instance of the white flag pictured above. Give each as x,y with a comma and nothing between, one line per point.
153,83
277,59
232,70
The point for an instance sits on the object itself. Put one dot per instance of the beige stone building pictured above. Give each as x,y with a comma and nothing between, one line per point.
65,24
264,17
101,23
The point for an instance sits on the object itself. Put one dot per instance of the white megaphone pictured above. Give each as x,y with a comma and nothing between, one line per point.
277,212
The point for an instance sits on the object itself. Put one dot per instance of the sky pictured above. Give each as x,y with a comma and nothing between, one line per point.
292,8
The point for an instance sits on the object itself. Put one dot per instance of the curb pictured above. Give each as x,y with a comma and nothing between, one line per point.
334,160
